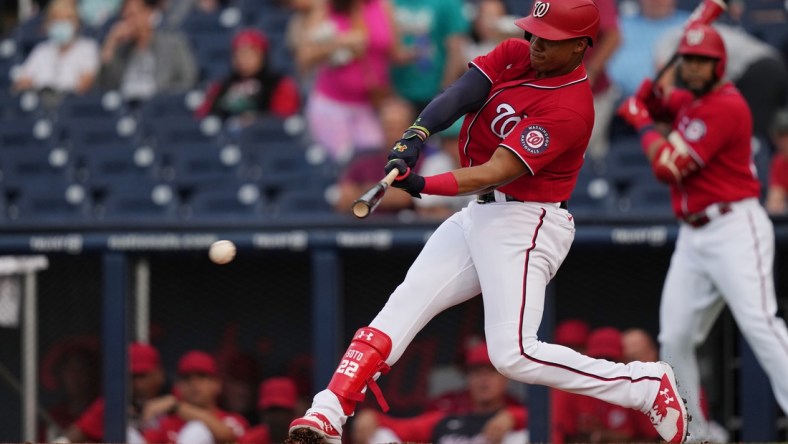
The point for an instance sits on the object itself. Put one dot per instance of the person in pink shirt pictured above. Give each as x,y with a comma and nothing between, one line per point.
352,44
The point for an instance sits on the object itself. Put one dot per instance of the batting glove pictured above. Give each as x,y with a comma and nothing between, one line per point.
652,98
409,146
634,112
407,179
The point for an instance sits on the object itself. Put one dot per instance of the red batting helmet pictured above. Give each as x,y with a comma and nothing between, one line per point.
562,20
703,40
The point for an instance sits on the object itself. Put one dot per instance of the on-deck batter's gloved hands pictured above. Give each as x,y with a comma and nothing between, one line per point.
634,112
407,179
409,146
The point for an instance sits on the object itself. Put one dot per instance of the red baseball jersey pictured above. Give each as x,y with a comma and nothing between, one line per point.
545,122
170,425
778,171
717,129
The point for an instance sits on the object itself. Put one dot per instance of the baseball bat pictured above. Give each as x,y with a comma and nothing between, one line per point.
706,12
366,204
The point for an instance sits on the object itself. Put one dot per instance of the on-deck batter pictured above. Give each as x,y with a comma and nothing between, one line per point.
529,113
725,249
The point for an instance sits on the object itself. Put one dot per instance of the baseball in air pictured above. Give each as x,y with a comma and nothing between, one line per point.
222,251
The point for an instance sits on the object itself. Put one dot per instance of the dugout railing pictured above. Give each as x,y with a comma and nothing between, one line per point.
297,291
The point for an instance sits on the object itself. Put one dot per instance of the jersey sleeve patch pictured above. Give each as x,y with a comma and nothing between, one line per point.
535,139
695,130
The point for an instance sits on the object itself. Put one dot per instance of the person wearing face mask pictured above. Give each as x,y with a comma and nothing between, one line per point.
64,63
140,59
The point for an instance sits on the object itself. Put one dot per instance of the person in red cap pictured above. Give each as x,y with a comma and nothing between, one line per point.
572,333
578,418
253,87
528,114
489,416
147,382
193,415
277,404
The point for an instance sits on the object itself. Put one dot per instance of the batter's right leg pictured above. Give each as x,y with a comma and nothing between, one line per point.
441,277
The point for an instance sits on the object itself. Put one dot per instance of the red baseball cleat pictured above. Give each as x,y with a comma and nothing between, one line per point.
312,428
669,414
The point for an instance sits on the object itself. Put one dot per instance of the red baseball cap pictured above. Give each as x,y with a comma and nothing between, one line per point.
143,358
197,361
252,38
605,343
278,392
572,333
477,355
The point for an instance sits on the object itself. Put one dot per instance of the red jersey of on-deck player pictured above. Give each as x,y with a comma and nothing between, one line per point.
717,129
545,122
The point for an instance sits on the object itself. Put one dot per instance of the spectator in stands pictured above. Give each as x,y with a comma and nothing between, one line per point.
64,63
303,29
490,417
361,173
777,193
572,333
141,60
605,94
638,345
71,367
252,88
242,373
433,33
351,45
193,415
578,418
756,68
277,403
490,26
635,59
148,381
447,158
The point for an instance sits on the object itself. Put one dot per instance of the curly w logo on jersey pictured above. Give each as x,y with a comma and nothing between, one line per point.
535,139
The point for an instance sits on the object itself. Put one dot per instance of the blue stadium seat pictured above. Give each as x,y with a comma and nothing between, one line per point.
199,22
177,131
137,202
301,201
228,201
22,166
273,22
264,131
205,163
213,54
593,196
25,132
53,201
165,105
29,33
646,199
102,167
626,163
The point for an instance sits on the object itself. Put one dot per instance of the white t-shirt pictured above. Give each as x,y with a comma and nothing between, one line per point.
48,67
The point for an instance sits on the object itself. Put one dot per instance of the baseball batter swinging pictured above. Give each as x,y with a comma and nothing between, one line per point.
725,248
528,117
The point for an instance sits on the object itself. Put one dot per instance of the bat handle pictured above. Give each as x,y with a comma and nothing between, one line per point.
390,177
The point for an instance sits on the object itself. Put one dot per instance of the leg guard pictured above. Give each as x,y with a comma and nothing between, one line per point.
363,360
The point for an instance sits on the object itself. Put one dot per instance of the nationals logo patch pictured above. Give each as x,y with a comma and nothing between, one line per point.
535,139
695,130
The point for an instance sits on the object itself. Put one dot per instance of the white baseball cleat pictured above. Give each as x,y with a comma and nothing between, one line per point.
668,414
312,427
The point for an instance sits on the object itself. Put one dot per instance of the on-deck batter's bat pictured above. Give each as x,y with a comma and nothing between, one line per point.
366,204
706,12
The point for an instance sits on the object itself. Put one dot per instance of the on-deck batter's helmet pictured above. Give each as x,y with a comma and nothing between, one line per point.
703,40
562,20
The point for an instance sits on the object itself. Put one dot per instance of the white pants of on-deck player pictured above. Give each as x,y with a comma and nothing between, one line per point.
727,261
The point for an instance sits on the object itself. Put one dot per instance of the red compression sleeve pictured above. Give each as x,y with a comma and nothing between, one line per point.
444,184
